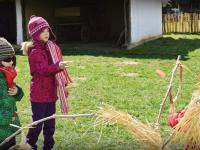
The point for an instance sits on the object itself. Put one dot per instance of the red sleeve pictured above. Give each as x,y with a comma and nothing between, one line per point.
39,64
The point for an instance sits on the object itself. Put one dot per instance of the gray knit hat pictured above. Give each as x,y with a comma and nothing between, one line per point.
6,49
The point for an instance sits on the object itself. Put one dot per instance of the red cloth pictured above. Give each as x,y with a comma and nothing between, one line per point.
10,74
174,118
62,77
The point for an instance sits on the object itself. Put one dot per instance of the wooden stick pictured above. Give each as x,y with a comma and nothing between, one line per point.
180,83
174,100
167,141
157,124
42,120
177,94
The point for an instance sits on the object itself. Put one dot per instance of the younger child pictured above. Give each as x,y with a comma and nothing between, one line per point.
48,74
9,93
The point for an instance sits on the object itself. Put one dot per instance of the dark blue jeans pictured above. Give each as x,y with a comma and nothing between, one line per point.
42,110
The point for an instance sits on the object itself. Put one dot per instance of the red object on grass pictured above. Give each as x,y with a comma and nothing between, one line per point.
160,73
198,78
174,118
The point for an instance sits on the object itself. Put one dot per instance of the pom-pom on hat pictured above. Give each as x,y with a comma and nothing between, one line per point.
6,49
36,25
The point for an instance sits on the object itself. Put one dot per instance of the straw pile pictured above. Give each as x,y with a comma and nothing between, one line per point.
23,144
144,134
21,147
187,130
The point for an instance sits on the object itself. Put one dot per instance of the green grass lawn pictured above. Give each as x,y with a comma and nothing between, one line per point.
125,79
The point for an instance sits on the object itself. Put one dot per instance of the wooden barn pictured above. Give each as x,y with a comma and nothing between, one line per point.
124,22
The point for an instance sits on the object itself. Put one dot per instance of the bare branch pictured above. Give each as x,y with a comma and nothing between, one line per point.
42,120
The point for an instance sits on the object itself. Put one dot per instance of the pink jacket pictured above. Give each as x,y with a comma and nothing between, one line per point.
43,86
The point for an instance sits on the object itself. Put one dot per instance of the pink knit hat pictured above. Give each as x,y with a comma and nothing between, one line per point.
36,25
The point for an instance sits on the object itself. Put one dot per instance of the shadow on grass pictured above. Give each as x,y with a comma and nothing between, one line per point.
162,48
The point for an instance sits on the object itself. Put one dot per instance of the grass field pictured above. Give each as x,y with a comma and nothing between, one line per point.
125,79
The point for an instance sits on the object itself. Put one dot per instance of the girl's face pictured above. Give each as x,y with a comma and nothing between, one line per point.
44,35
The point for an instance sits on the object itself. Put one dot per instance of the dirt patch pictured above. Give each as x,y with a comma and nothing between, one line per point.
73,85
130,74
76,81
127,63
80,79
69,61
81,67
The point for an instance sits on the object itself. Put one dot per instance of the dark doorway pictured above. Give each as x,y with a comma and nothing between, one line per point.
96,20
84,21
8,20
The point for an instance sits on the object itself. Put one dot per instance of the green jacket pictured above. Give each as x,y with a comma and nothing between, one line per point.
7,109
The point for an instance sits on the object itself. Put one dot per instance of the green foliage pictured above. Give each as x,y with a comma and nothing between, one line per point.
125,79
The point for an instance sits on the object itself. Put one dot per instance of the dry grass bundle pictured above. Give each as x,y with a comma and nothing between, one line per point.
188,128
23,144
146,135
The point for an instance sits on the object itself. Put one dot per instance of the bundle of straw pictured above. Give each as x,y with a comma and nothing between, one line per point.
188,128
23,144
144,134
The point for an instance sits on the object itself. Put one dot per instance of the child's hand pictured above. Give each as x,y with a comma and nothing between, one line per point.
63,64
66,90
12,91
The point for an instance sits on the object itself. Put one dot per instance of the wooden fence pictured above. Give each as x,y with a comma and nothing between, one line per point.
181,23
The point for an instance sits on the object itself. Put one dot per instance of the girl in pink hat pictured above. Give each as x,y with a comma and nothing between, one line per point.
49,76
